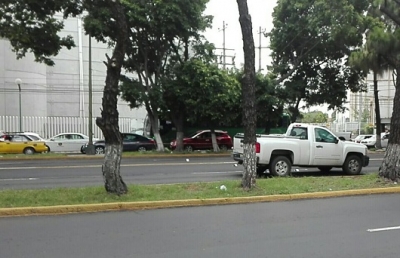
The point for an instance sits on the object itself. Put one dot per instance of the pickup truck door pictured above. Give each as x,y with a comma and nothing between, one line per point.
327,149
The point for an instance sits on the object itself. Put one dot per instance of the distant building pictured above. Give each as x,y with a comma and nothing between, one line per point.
366,101
61,90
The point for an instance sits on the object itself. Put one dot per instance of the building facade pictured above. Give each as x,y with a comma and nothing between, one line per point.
63,89
366,103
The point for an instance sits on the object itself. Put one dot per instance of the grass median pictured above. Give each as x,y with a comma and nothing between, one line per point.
184,191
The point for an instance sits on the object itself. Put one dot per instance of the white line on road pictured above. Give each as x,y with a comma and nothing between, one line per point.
221,172
383,229
19,179
122,165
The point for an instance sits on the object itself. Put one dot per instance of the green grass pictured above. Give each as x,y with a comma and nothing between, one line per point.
269,186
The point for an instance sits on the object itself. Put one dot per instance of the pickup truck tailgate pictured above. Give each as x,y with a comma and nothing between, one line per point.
237,143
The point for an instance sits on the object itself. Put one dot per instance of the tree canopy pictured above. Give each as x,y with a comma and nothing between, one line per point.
311,42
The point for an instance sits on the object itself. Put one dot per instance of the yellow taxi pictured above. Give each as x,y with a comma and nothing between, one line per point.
18,143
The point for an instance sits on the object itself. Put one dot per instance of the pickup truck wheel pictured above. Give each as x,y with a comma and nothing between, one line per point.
325,169
352,165
280,166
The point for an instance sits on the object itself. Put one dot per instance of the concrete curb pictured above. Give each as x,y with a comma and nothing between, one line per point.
131,206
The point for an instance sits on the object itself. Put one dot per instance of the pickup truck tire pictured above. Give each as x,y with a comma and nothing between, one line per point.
280,166
325,169
352,165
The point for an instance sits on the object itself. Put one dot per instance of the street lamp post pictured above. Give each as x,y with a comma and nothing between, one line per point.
18,82
90,148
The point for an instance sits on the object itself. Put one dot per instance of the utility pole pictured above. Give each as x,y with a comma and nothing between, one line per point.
224,49
90,148
224,26
260,47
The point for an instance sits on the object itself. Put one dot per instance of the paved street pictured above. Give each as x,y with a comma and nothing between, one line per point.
329,228
30,174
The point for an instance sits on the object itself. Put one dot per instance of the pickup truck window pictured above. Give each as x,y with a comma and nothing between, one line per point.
322,135
299,132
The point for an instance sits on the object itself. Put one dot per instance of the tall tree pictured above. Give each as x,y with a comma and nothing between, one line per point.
386,43
157,29
310,42
31,26
370,61
249,97
208,93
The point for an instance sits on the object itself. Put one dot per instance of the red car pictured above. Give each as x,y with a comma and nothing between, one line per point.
201,140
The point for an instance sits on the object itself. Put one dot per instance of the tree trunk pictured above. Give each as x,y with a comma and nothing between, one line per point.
248,93
214,141
153,117
390,168
108,122
178,121
377,113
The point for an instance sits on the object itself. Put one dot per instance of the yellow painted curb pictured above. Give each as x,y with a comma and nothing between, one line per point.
130,206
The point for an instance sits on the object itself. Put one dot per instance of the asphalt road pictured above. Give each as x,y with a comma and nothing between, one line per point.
357,227
31,174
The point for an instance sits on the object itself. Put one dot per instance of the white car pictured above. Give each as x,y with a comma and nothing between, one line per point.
370,142
361,137
67,142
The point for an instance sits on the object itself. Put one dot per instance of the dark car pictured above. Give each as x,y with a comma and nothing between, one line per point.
131,142
201,140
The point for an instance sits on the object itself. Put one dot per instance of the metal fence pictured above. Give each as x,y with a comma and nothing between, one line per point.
50,126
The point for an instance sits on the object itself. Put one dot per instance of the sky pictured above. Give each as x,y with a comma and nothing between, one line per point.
261,14
227,10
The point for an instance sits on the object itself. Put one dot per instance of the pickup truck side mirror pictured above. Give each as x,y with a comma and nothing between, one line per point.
336,141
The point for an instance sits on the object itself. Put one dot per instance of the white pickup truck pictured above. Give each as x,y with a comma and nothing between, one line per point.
304,145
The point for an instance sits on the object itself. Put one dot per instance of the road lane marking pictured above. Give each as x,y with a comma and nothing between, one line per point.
383,229
219,172
122,165
19,179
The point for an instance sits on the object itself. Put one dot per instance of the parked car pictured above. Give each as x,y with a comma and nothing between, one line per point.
201,140
19,143
361,137
370,142
67,142
385,140
31,135
130,142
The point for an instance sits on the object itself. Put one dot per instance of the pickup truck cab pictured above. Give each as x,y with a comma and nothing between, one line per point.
304,145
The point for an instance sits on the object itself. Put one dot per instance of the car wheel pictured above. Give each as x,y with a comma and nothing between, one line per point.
188,148
352,165
280,166
142,149
325,169
99,150
48,149
29,151
223,148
